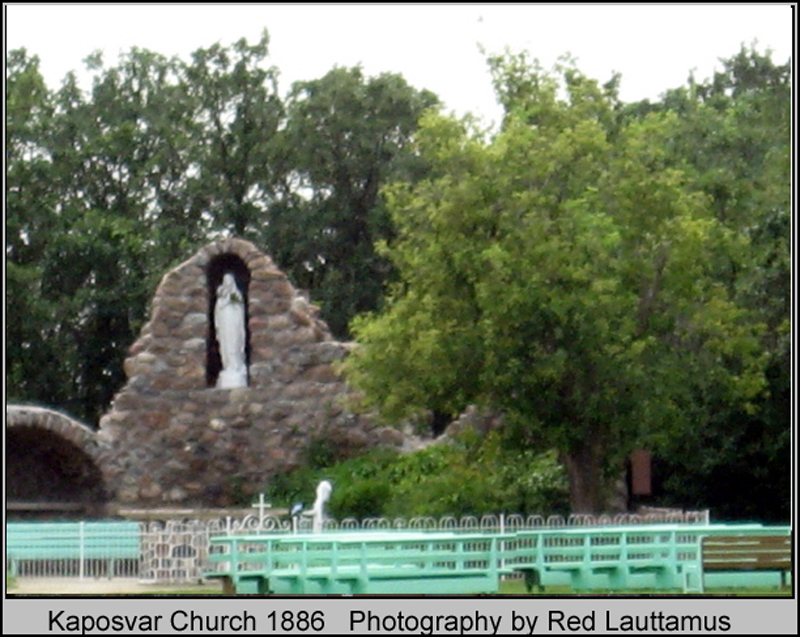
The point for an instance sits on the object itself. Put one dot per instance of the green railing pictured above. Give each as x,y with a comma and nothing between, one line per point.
618,558
622,557
401,562
70,549
360,562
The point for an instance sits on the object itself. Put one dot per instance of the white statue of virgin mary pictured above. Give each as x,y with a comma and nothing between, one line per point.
229,324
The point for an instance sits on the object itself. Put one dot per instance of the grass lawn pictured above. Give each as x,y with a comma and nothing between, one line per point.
517,587
507,587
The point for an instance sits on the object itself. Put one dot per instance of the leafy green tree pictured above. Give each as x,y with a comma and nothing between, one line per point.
98,212
735,138
109,188
346,136
236,112
33,345
563,273
30,197
114,160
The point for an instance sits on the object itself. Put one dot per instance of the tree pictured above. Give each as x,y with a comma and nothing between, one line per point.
33,345
563,273
734,136
346,136
105,210
75,279
236,113
30,195
109,188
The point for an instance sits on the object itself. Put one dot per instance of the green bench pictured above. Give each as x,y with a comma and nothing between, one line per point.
71,548
590,558
661,557
617,558
359,563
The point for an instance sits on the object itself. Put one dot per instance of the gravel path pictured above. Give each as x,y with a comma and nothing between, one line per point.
101,586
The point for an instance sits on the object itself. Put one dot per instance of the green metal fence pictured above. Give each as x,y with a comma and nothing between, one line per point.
73,549
613,556
610,558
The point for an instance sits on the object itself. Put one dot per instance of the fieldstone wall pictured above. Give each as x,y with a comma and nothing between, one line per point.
482,421
177,440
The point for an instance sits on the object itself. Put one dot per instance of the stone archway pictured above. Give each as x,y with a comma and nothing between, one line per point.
53,464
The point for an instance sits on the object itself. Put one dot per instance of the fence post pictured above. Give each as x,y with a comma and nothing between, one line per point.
81,549
503,543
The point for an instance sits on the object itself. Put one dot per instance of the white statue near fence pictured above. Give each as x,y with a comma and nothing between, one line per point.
318,511
229,323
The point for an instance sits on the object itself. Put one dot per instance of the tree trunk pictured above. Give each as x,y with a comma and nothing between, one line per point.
587,488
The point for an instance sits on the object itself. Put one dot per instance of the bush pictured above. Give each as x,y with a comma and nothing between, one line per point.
284,489
472,476
363,499
476,476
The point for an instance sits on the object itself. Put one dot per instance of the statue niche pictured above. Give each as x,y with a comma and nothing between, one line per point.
228,345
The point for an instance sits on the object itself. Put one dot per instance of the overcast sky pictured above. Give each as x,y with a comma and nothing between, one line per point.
433,46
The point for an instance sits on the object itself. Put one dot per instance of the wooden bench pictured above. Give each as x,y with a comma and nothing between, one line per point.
736,553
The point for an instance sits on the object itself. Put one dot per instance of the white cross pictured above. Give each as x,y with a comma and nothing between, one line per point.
261,505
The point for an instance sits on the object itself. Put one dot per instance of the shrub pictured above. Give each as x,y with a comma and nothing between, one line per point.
284,489
475,476
472,476
360,500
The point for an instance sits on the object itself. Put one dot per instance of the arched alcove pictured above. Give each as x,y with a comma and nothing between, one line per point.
42,467
216,269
